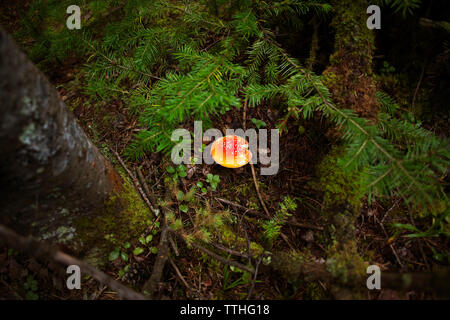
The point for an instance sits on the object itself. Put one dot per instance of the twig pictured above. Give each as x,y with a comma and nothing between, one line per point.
391,246
254,279
11,289
163,252
244,115
252,167
146,188
177,271
237,205
216,256
173,245
41,251
152,198
286,239
97,294
257,191
230,251
417,88
136,183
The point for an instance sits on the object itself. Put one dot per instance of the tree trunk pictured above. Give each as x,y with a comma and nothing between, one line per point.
349,75
51,174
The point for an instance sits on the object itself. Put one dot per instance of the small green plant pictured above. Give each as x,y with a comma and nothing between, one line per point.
124,270
437,229
12,252
120,251
213,180
273,226
387,68
202,188
179,171
188,197
173,222
146,241
31,286
258,123
228,272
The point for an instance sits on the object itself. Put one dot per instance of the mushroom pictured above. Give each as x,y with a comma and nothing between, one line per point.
231,151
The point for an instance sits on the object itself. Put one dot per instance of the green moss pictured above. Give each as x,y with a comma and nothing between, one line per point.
345,264
230,239
291,264
352,35
246,191
123,218
314,291
340,188
331,80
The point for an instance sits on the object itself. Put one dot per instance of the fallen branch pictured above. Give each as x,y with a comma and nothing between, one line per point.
136,183
146,188
163,251
42,251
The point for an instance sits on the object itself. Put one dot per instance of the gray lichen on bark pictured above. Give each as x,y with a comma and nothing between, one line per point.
50,173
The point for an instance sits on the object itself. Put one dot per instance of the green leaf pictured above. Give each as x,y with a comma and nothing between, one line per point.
113,255
177,224
32,296
184,208
149,238
170,170
408,227
154,250
204,190
124,256
137,251
200,184
180,195
258,123
127,245
182,174
142,240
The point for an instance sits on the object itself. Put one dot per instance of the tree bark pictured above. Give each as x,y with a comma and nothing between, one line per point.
50,172
349,76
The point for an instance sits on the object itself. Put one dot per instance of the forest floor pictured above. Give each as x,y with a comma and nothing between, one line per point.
111,126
